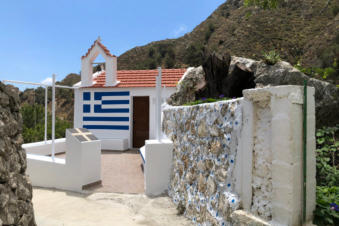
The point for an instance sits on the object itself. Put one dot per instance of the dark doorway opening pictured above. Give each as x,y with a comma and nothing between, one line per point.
140,121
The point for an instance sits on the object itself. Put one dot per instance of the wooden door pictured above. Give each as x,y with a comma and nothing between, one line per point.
140,121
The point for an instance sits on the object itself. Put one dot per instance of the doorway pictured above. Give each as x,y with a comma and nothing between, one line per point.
140,121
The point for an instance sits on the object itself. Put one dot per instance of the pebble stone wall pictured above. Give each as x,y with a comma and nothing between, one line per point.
16,206
205,139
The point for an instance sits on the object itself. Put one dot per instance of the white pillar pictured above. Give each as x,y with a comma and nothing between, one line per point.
277,111
46,101
53,117
158,105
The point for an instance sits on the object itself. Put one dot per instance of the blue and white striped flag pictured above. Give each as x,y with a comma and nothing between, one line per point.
106,110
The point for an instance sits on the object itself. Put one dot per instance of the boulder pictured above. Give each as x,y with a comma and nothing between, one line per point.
283,73
238,79
189,84
16,206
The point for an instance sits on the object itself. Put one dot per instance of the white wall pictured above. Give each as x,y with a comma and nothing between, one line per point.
81,166
45,148
119,134
158,166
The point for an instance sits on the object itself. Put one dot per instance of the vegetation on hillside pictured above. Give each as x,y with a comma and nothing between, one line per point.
33,110
34,124
304,31
64,97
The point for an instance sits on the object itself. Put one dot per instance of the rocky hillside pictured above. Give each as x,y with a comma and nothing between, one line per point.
305,30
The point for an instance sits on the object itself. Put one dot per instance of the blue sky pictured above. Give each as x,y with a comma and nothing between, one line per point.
39,37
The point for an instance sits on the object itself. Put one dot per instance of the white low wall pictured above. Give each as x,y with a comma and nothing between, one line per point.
43,172
157,166
81,166
114,144
45,148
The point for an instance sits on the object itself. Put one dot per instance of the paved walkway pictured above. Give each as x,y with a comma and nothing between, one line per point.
121,172
59,208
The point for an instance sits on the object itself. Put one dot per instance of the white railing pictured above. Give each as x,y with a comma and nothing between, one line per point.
53,85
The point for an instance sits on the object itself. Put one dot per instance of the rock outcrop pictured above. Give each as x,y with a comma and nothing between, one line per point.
231,79
283,73
190,83
216,70
15,189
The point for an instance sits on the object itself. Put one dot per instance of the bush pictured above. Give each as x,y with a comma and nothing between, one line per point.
264,4
327,156
326,212
193,55
209,32
319,73
151,52
272,57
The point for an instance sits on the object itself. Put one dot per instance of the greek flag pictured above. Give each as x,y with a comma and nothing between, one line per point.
106,110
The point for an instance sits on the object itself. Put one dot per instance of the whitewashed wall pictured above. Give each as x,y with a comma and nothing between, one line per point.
119,134
81,165
243,154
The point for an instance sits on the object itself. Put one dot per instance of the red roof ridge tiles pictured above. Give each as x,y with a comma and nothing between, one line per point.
140,78
104,48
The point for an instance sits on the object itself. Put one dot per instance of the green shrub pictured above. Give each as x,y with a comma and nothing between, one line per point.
151,52
193,55
209,32
206,100
335,10
327,209
272,57
327,201
264,4
34,124
317,72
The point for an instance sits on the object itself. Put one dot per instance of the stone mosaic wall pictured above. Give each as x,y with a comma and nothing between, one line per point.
205,139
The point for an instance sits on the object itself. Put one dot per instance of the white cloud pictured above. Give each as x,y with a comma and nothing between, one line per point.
47,81
182,29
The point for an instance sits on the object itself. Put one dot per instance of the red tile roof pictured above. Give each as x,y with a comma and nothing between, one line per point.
141,78
104,48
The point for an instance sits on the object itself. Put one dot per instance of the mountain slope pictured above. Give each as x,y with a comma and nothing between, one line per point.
296,30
